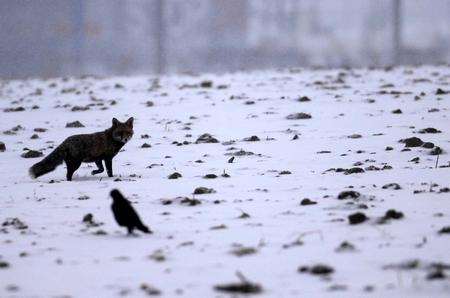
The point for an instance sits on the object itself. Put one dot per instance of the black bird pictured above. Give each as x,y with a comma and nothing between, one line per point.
125,214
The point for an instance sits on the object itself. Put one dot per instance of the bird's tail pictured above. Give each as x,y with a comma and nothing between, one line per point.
141,227
49,163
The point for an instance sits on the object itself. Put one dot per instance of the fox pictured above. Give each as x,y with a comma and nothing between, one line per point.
95,147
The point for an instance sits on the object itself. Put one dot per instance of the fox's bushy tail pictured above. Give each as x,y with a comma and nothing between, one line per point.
49,163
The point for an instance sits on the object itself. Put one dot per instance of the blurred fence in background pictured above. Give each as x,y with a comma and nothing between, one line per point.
118,37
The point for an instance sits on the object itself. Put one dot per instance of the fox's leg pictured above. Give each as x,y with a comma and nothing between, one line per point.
99,166
72,166
108,164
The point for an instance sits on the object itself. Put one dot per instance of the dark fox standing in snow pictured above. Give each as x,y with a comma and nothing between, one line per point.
125,214
95,147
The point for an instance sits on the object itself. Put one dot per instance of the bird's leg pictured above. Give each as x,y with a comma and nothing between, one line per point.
130,231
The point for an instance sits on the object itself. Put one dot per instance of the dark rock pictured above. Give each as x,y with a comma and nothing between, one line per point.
190,202
348,194
175,175
242,287
15,223
32,154
436,274
440,91
412,142
74,124
206,138
210,176
149,104
389,148
436,151
231,159
146,145
428,145
445,230
285,172
357,218
354,170
150,290
318,269
203,190
298,116
18,109
397,111
307,202
34,137
354,136
345,247
295,137
2,147
252,139
206,84
429,130
304,99
243,251
394,186
4,265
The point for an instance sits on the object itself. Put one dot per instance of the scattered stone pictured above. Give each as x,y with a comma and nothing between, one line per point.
436,151
210,176
74,124
298,116
397,111
348,194
307,202
445,230
32,154
146,145
357,218
436,274
83,198
150,290
89,221
242,287
79,108
354,170
34,137
304,99
149,104
285,172
2,147
190,202
231,159
203,190
429,130
394,186
157,256
391,214
412,142
4,265
318,269
18,109
251,139
295,137
206,84
440,91
389,148
244,215
243,251
428,145
174,175
15,223
354,136
206,138
345,247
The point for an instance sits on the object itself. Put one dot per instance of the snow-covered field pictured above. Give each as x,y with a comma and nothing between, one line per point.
254,222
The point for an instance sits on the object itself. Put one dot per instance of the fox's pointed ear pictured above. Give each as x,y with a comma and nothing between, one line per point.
130,121
115,122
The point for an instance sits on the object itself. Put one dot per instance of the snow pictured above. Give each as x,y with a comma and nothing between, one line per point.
65,258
